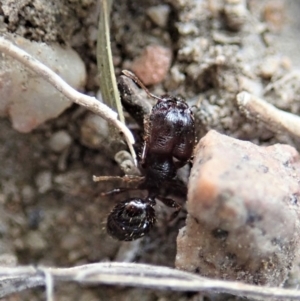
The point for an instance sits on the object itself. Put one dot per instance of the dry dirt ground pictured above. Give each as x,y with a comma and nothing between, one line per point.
51,211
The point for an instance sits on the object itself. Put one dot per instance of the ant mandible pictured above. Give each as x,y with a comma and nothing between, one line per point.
169,139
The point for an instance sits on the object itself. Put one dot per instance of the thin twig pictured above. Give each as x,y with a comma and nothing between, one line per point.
137,275
49,283
274,119
89,102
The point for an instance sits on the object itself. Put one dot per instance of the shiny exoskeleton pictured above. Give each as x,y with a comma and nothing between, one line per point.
131,219
169,141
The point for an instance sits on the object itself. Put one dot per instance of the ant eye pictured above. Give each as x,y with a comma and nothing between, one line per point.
131,219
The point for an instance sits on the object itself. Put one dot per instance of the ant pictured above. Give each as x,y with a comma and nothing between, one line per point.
169,141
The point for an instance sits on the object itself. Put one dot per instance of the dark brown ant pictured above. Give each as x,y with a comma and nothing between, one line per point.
169,141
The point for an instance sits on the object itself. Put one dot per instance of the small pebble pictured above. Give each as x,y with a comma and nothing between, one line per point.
159,15
71,241
28,194
43,181
269,67
275,14
126,163
186,29
153,64
59,141
35,241
235,13
8,260
94,131
177,76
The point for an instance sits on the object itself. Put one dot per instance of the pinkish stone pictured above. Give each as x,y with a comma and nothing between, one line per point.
243,211
153,64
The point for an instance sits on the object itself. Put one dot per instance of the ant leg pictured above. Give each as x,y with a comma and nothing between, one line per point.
171,203
105,178
133,77
117,191
128,179
143,157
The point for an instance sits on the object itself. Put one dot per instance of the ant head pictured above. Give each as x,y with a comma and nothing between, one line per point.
131,219
171,101
135,79
168,102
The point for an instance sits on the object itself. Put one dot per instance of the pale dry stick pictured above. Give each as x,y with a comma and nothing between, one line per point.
49,283
138,275
89,102
276,120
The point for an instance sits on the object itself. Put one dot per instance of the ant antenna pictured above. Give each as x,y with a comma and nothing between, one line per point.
132,76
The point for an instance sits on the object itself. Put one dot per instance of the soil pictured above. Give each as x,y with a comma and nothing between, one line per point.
51,212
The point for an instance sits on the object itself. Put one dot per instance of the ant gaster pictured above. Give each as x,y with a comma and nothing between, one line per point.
169,139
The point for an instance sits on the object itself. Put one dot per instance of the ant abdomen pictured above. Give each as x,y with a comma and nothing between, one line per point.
131,219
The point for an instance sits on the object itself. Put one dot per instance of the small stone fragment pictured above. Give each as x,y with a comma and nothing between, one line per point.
153,64
71,241
126,163
159,14
28,194
275,14
94,131
243,211
8,260
35,241
59,141
43,181
235,12
269,67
